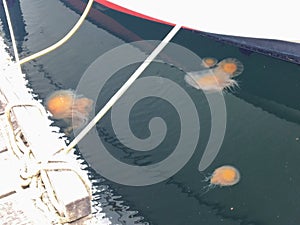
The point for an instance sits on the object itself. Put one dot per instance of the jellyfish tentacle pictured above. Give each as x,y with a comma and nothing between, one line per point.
206,189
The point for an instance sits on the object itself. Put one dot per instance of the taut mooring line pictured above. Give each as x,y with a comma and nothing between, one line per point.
123,89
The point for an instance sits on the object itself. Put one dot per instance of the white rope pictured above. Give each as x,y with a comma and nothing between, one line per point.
64,39
33,174
123,89
12,35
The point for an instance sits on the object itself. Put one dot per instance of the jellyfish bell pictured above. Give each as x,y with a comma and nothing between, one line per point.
59,104
209,81
209,62
225,176
230,66
73,109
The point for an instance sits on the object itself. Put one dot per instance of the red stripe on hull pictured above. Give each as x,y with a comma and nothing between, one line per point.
130,12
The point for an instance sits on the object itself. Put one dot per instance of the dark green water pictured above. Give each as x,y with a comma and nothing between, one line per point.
262,125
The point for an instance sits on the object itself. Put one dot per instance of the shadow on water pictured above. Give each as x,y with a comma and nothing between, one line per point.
262,127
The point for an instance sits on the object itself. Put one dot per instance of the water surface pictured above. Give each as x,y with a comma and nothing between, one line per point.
262,126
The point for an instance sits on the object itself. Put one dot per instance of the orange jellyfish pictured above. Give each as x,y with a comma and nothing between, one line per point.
59,104
206,80
218,78
225,176
209,62
73,109
230,66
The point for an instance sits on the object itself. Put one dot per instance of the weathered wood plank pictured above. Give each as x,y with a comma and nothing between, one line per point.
71,193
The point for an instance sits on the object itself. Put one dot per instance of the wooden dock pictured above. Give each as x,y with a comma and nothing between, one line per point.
38,185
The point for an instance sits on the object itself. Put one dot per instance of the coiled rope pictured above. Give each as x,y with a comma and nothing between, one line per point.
34,172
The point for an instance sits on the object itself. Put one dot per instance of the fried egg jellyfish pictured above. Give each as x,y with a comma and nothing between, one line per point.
223,176
209,62
67,106
231,66
216,79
